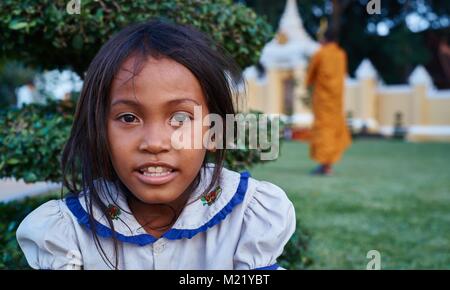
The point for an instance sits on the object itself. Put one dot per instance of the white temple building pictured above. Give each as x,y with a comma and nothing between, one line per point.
277,86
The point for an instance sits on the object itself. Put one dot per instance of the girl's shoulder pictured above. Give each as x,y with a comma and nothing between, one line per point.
267,222
238,195
46,233
53,215
257,193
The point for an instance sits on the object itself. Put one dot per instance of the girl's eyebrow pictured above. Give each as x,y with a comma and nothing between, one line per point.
169,103
125,102
184,100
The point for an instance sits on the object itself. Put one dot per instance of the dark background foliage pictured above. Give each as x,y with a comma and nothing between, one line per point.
394,55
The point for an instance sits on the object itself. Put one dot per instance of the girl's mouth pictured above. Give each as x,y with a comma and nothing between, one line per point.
156,175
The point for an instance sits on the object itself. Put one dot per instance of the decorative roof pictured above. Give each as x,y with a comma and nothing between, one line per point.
366,70
420,76
292,44
291,23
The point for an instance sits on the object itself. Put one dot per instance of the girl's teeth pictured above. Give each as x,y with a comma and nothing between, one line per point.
157,169
156,173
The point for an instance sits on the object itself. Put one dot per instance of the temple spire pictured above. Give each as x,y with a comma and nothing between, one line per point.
292,45
291,23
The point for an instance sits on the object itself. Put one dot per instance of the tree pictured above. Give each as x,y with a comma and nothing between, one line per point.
44,34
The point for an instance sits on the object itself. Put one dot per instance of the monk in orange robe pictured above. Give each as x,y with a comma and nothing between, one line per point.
330,135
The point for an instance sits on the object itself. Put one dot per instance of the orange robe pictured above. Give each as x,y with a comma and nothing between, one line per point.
330,135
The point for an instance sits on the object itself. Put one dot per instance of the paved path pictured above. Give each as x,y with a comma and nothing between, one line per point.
11,189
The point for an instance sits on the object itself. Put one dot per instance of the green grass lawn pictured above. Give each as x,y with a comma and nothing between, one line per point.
390,196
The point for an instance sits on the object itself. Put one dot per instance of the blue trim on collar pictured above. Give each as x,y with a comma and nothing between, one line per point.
175,234
74,205
271,267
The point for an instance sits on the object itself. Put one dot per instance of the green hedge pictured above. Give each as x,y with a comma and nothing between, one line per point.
32,138
11,214
34,30
295,255
13,74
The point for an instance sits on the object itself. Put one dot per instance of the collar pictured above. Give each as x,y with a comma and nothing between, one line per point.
195,218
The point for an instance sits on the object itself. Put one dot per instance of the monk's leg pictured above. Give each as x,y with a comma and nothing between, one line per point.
323,146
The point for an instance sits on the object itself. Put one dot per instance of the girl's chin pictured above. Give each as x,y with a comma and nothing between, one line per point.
150,197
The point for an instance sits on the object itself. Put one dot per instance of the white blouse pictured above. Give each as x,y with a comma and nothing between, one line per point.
245,227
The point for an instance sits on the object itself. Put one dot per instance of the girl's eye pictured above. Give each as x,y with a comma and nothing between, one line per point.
128,118
179,118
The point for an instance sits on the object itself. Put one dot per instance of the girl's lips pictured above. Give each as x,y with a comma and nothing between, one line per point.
155,180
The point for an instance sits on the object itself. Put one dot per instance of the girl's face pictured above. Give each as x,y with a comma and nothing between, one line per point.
145,110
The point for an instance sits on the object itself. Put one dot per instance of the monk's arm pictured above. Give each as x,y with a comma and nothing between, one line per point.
345,64
312,70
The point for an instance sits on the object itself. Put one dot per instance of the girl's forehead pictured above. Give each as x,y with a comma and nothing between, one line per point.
155,75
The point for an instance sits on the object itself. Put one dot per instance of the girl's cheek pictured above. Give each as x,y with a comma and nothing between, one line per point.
184,136
118,137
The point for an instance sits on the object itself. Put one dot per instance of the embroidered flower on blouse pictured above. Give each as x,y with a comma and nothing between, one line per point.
113,211
212,196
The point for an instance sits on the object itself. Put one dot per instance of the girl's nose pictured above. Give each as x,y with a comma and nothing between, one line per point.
155,139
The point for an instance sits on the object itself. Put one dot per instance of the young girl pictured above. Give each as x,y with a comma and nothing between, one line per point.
142,203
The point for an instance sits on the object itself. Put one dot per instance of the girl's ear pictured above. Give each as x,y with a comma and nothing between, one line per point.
211,146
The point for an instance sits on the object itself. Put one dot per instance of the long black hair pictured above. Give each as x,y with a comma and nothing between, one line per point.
86,156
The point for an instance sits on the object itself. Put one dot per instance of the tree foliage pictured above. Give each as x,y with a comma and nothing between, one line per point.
44,34
394,54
